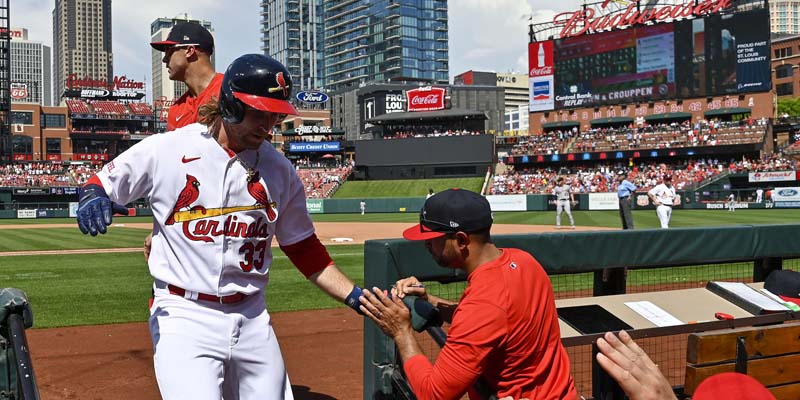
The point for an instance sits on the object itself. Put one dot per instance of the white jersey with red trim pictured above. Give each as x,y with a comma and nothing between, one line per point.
212,225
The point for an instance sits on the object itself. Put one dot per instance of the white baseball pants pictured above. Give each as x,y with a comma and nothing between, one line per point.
209,351
563,206
664,214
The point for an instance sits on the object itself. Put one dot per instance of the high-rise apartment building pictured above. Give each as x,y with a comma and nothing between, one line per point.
292,34
163,87
31,75
784,16
361,40
81,42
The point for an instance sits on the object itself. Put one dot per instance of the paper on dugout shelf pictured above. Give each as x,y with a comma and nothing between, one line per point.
653,313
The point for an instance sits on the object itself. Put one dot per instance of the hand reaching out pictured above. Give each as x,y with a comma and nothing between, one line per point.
630,366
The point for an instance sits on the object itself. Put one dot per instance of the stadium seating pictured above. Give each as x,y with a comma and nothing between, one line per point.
45,174
323,182
78,107
109,108
140,109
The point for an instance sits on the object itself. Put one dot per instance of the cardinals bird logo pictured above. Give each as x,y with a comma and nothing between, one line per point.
188,195
282,83
257,190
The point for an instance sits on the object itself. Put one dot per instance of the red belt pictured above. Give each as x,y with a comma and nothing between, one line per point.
231,299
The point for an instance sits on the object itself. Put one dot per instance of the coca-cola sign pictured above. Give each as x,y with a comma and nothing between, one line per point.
425,99
312,97
120,82
576,23
540,58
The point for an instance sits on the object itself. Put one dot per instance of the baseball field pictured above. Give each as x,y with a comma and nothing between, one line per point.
89,297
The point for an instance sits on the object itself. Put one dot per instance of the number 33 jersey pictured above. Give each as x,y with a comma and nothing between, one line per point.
215,213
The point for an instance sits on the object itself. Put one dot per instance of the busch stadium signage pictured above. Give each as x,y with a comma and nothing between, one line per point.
312,97
425,99
576,23
119,83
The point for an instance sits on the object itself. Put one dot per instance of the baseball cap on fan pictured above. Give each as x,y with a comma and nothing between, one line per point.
731,386
187,34
451,211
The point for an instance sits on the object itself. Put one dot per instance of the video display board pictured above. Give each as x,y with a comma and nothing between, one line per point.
715,55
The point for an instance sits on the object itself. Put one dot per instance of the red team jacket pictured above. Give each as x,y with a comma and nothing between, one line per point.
184,111
505,329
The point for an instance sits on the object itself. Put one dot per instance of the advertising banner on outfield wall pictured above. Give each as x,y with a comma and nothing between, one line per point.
603,201
788,197
512,202
26,213
315,206
773,176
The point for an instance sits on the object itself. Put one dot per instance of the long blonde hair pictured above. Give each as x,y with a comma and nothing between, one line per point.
209,115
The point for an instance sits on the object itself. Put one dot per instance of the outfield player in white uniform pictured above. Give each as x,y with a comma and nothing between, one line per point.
759,195
664,197
564,199
731,202
220,193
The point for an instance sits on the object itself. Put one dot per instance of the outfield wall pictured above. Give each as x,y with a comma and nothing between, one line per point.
536,202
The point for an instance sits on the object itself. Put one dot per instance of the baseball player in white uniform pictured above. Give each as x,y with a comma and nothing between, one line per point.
732,202
564,199
663,197
220,193
759,195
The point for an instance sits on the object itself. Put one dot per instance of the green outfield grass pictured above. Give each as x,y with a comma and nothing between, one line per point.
403,188
92,289
88,289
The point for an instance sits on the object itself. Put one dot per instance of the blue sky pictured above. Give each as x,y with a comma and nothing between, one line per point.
485,35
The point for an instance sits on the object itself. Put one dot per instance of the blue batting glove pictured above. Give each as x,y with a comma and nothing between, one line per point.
95,209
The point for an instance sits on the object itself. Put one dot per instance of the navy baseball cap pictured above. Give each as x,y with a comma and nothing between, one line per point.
187,34
785,284
451,211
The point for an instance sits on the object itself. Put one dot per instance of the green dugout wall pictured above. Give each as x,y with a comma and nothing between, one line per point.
757,249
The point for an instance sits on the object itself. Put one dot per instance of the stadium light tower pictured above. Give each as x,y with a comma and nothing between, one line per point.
5,82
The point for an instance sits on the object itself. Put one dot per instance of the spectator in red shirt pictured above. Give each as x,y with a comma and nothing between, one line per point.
504,329
187,54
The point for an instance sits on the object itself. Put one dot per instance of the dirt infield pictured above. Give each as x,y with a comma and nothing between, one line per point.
322,349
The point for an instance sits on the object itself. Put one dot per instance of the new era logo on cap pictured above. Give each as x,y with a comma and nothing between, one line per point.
451,211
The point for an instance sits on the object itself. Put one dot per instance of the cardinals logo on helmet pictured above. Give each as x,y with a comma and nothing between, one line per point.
259,192
187,196
282,83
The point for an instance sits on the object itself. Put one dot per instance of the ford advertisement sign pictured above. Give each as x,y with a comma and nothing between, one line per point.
312,97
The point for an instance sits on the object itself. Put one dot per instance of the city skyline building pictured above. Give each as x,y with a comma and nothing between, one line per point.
292,34
82,44
31,70
784,16
336,45
162,86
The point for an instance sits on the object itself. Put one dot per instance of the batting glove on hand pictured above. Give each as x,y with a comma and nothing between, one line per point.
95,209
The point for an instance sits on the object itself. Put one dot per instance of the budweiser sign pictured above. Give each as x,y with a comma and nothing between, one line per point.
579,22
119,83
425,99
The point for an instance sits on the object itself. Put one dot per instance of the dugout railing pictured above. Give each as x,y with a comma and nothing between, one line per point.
17,378
584,264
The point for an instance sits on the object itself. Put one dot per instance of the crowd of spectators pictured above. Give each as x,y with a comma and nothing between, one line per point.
429,132
108,109
645,136
323,182
45,174
600,177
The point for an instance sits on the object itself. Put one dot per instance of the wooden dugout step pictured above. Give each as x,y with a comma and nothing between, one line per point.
772,357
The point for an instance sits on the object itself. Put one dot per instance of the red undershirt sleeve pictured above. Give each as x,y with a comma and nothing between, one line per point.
476,330
308,255
94,180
